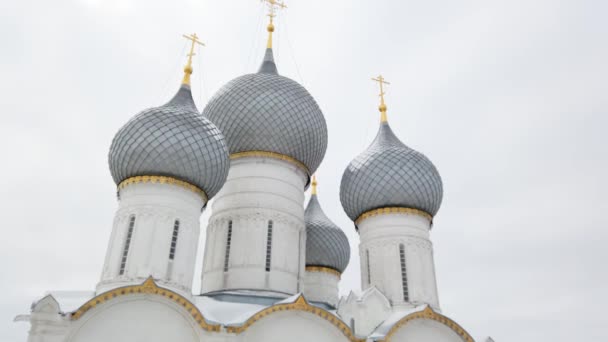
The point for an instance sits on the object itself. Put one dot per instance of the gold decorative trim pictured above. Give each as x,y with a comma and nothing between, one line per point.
274,155
393,210
324,270
163,180
428,313
148,287
299,305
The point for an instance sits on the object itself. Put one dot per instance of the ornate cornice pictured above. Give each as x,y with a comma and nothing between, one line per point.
274,155
148,287
163,180
299,305
323,270
393,210
428,313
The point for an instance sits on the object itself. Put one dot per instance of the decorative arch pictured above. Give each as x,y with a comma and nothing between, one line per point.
148,287
428,313
299,305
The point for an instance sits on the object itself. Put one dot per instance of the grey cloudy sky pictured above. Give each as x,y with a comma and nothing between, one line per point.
506,97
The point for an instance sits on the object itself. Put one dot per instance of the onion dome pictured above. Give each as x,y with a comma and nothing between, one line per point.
326,243
269,113
390,175
173,140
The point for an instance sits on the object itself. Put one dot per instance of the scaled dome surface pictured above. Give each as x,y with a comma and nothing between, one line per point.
326,243
272,113
390,174
172,140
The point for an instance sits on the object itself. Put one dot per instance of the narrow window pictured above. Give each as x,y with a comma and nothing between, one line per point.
268,246
352,325
228,242
125,251
369,276
174,240
406,296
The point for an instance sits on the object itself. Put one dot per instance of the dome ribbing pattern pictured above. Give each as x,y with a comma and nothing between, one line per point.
268,112
390,174
172,140
326,243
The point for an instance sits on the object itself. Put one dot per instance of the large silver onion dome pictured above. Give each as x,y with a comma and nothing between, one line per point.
326,243
390,174
172,140
268,112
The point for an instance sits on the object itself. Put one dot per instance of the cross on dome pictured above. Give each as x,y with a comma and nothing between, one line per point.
273,5
188,68
381,81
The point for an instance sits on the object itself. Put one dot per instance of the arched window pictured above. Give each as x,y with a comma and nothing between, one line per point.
268,246
228,242
406,296
369,275
174,240
125,250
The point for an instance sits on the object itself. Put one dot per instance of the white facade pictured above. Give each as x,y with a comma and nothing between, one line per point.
321,286
383,238
148,216
262,205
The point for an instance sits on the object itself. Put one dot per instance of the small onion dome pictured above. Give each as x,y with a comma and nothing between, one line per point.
172,140
267,112
390,174
326,243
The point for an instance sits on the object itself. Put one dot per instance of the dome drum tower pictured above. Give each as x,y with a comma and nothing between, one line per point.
392,192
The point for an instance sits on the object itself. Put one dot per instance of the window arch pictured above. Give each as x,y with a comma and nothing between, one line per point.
125,249
174,240
228,243
406,295
269,246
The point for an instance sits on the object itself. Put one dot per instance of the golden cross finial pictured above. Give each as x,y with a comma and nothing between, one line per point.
314,184
273,5
188,68
381,81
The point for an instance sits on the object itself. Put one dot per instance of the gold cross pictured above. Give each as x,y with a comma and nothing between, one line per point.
188,68
273,5
381,81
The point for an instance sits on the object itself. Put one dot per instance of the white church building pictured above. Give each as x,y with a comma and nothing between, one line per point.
272,263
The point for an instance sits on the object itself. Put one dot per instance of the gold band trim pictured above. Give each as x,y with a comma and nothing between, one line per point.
428,313
274,155
323,270
299,305
148,287
163,180
393,210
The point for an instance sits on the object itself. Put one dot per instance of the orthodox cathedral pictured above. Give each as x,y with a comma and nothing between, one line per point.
272,263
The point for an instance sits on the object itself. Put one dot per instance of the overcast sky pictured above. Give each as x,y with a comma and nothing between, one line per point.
507,98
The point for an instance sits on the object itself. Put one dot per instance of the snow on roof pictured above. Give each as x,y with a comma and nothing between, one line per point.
70,301
226,313
391,320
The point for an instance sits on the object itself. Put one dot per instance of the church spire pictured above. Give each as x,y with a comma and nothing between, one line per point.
382,108
188,68
273,5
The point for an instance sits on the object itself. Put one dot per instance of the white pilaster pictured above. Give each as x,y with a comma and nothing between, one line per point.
258,190
155,209
381,239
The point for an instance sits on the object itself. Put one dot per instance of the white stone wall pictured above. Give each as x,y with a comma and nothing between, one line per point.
321,287
136,318
380,237
293,326
425,330
257,190
155,207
